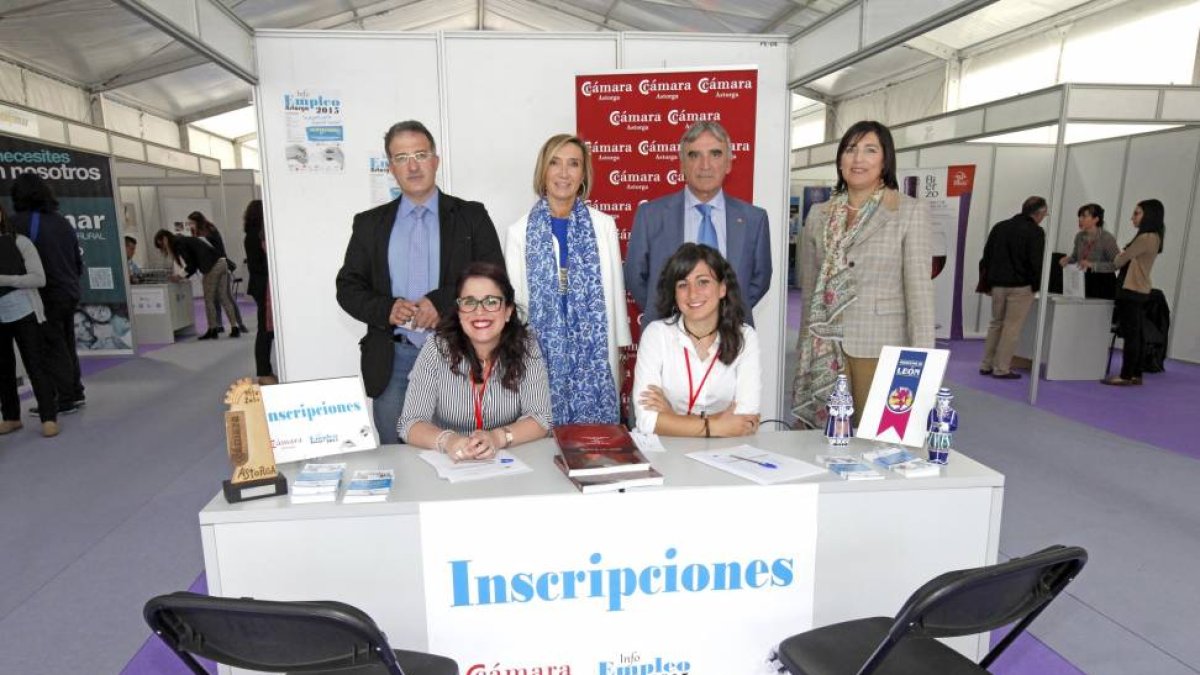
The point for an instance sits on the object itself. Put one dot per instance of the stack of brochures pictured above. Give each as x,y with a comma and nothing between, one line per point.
902,462
317,483
760,466
503,464
369,485
602,458
849,467
917,468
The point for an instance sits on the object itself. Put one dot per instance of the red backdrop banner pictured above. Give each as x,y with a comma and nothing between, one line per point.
632,123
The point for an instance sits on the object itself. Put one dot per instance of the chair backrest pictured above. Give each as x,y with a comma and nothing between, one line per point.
266,635
967,602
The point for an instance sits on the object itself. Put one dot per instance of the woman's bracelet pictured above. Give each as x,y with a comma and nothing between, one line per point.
704,416
440,443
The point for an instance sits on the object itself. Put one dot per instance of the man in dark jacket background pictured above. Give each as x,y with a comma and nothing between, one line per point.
1012,263
58,247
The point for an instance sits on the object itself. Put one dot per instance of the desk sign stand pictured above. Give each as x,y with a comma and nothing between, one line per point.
249,446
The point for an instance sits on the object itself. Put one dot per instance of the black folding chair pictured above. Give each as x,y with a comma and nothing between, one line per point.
964,602
279,637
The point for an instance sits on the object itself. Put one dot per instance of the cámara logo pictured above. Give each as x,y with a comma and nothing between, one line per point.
588,88
497,669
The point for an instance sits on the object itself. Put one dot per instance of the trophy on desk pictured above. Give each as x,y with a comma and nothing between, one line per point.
942,423
249,446
840,409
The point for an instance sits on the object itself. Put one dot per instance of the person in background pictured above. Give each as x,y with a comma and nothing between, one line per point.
864,261
259,288
1094,250
195,254
37,217
130,250
698,370
479,385
401,266
222,280
1136,262
21,313
700,213
564,261
1012,261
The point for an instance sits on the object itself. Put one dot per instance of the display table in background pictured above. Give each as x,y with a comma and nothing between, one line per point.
1075,345
876,541
160,311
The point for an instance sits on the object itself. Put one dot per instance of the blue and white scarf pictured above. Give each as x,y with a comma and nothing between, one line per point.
575,346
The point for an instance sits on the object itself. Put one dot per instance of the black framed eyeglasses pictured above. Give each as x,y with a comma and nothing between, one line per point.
490,303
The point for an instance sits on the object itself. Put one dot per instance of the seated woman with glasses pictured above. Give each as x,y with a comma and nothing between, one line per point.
698,371
479,385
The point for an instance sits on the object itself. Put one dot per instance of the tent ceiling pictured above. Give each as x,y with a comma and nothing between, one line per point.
104,48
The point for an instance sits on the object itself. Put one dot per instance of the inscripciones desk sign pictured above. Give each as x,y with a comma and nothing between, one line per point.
249,446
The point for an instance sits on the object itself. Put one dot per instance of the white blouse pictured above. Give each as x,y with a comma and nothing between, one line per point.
664,355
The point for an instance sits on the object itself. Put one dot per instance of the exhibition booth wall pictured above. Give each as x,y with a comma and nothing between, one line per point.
490,101
1116,172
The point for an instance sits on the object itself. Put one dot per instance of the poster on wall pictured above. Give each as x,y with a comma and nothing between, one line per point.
632,122
947,190
633,583
383,184
315,131
83,185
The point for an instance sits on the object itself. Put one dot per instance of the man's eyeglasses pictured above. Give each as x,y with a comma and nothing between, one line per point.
490,303
402,158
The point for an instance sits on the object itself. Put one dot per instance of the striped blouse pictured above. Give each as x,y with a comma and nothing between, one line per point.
436,395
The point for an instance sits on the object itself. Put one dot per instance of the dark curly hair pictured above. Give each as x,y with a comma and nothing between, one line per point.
731,310
510,353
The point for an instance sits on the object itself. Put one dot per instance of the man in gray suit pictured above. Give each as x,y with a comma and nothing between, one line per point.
701,213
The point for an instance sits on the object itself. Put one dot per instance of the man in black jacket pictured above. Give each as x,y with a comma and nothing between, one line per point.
1012,262
401,266
58,247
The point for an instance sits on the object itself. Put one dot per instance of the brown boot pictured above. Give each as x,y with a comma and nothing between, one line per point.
50,429
9,426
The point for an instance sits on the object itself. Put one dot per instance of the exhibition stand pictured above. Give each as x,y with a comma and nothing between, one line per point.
1073,144
1078,335
160,310
875,542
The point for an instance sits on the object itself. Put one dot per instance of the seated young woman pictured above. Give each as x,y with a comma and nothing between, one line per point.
479,384
698,370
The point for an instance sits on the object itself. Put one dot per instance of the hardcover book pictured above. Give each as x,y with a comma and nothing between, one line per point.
597,450
613,482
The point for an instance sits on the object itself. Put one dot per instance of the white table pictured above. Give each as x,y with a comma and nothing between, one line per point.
160,310
877,541
1075,345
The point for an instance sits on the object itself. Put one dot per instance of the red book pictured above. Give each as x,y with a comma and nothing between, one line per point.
598,449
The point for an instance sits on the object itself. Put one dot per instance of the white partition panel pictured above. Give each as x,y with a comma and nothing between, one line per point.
1094,174
771,159
505,95
1161,166
1185,318
380,80
490,101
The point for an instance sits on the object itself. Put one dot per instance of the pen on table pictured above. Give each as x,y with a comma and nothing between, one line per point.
506,460
765,465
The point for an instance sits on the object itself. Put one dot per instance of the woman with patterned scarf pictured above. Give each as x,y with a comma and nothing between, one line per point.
564,262
865,271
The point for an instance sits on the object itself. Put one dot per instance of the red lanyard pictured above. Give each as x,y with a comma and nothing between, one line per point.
477,394
694,394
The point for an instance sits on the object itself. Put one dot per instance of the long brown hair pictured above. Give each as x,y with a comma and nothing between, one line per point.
509,354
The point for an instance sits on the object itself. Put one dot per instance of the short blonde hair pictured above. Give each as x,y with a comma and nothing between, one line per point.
553,145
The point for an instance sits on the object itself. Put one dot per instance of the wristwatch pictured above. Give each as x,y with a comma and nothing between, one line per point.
507,437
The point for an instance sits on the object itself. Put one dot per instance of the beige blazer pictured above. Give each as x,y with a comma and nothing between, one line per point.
892,263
